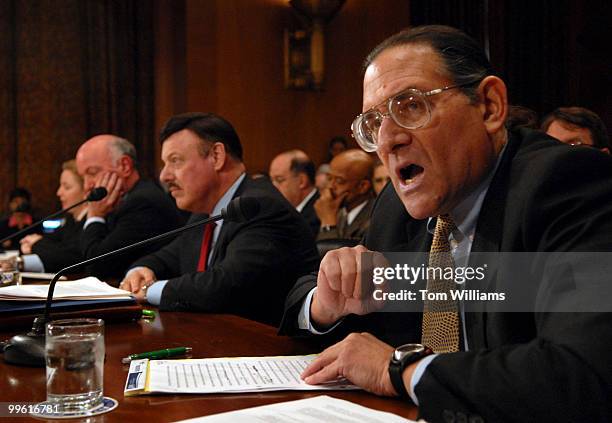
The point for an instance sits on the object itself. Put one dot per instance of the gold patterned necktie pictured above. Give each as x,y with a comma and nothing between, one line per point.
441,316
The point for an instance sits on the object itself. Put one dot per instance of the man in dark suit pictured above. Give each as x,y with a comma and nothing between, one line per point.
244,268
134,209
435,113
293,174
344,207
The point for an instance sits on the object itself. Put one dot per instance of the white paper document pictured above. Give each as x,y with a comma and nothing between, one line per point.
214,375
322,409
83,289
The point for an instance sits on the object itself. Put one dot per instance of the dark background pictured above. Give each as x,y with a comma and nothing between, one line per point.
71,69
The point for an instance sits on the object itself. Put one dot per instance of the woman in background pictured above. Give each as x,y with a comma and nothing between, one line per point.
54,251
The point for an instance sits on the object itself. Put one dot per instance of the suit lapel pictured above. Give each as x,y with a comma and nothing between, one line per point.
487,239
227,229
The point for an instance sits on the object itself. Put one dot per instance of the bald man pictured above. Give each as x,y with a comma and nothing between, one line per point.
293,174
133,210
345,205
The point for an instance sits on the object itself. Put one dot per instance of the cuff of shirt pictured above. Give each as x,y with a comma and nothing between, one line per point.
416,376
94,219
304,316
154,292
32,263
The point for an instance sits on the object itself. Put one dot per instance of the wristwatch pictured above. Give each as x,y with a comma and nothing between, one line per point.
401,358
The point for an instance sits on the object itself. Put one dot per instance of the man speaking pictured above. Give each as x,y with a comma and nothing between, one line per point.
434,112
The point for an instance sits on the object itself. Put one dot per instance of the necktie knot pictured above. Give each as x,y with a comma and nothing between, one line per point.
444,227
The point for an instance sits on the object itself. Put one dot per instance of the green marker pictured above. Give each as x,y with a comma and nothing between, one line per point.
148,314
153,355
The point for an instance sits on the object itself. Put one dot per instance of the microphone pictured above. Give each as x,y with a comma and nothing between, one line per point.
96,194
29,349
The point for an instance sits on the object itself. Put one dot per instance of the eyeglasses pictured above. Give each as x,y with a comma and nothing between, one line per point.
409,109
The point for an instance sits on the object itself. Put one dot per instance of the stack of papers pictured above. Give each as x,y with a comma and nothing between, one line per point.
83,289
229,375
318,409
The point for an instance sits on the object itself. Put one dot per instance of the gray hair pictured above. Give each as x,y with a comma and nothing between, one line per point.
121,147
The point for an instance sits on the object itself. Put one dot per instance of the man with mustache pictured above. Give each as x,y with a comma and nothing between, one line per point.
243,268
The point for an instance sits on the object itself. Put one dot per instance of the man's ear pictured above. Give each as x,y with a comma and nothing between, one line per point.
126,166
219,155
302,180
493,103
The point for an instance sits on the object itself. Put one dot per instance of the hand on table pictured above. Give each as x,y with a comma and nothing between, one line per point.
137,281
361,358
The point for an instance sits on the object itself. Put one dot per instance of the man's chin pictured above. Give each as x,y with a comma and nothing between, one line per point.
418,209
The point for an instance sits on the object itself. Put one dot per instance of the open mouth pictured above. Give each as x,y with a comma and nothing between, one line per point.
408,173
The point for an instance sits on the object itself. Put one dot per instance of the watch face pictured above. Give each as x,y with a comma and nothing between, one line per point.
407,349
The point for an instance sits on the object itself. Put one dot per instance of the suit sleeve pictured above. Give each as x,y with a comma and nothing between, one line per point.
136,220
61,248
293,303
165,262
265,250
562,372
56,255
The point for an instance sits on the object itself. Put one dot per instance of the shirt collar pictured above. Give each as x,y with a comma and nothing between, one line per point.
306,199
465,214
350,216
227,197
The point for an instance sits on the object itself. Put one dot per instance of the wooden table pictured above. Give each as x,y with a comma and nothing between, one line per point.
210,336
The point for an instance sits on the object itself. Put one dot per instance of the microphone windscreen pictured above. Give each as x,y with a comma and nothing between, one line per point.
97,194
241,209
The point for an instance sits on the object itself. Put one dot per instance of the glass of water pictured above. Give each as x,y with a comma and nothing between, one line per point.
9,270
74,353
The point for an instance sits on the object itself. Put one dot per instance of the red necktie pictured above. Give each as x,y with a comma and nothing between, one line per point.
206,241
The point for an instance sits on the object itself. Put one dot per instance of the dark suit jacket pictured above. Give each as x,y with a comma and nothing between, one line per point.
145,211
355,230
309,214
61,248
253,264
521,367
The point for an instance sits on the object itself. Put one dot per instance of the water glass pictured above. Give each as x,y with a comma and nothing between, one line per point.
74,353
9,271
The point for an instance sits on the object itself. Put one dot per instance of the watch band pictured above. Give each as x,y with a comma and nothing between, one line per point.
397,367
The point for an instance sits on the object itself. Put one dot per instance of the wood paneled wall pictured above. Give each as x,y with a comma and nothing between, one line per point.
71,69
226,56
75,68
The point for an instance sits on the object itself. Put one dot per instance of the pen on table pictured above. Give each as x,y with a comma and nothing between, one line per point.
148,314
153,355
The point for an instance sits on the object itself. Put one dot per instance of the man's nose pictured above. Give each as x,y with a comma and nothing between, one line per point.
391,135
164,175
